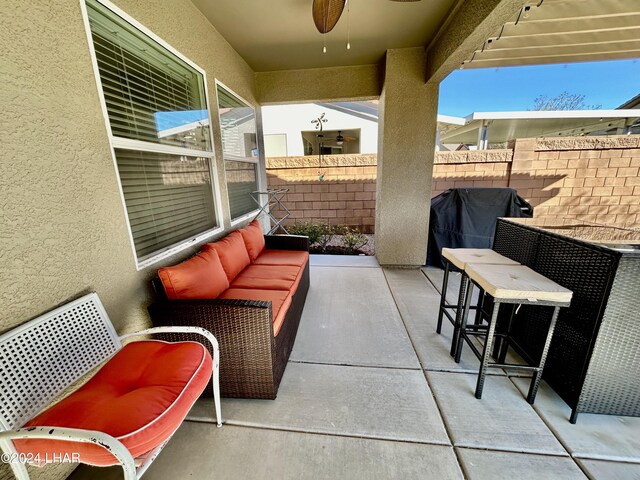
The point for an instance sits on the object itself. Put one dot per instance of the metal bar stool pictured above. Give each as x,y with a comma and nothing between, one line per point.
459,257
510,284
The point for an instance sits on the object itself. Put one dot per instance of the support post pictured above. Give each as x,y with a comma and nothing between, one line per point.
406,152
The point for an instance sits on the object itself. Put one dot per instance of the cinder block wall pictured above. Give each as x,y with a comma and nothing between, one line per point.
593,179
345,195
589,179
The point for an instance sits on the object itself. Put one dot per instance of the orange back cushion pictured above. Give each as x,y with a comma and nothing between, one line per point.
253,239
233,254
201,276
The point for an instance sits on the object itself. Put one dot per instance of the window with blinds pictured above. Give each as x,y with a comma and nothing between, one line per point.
159,123
240,151
241,181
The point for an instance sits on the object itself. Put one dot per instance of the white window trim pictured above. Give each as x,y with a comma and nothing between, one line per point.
243,218
119,142
247,216
141,146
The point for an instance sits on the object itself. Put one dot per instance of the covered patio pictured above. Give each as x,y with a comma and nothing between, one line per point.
371,392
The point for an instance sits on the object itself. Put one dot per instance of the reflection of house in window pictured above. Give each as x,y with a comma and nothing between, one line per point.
239,138
186,171
332,142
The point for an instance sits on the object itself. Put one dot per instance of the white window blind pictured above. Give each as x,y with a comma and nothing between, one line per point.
168,197
159,121
240,150
241,181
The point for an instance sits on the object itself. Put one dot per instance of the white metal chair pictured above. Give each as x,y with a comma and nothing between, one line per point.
42,358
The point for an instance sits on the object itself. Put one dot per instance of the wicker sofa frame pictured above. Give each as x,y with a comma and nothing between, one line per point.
253,360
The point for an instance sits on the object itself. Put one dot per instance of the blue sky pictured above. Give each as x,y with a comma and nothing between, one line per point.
608,84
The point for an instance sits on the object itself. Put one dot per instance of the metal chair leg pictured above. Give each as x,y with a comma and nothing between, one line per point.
487,348
537,376
460,330
443,295
479,307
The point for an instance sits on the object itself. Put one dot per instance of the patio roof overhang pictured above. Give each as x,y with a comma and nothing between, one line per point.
505,126
563,31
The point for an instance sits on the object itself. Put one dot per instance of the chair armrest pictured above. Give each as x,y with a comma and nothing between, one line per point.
109,443
171,329
226,319
287,242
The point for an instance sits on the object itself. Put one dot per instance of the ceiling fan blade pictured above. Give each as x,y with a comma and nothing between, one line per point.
326,14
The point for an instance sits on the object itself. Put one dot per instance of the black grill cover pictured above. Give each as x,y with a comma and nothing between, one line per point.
466,218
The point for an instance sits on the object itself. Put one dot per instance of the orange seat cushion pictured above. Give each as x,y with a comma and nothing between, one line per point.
201,276
233,254
283,257
253,239
140,397
280,302
267,277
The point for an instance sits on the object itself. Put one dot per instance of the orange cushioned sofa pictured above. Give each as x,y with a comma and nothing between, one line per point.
249,290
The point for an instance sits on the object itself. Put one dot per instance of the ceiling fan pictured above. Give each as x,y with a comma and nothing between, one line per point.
326,14
340,139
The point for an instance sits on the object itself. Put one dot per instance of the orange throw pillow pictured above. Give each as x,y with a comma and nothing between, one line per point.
233,254
253,239
201,276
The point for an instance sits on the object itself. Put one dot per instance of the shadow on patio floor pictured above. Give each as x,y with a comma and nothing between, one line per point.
371,392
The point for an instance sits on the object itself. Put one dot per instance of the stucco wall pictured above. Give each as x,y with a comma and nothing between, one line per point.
361,82
63,227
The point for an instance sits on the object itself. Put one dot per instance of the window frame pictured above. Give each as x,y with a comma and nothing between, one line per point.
249,215
138,145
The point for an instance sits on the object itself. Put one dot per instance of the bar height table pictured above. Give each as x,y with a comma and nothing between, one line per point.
511,284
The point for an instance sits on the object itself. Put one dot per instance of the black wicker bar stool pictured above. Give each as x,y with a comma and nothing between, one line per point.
510,284
459,257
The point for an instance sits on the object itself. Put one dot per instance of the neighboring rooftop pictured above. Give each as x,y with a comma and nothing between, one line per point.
505,126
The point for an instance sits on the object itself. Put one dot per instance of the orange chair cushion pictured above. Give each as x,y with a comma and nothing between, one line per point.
267,277
140,397
233,254
201,276
283,257
253,239
280,302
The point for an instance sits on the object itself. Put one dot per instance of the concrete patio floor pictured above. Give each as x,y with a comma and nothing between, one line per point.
371,392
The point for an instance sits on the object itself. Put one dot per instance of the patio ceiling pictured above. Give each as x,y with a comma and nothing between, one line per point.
563,31
282,36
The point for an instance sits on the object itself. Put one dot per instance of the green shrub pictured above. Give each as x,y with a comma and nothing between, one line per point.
353,239
328,231
307,229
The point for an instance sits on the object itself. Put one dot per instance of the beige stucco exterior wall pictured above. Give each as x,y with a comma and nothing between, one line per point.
360,82
406,150
63,227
